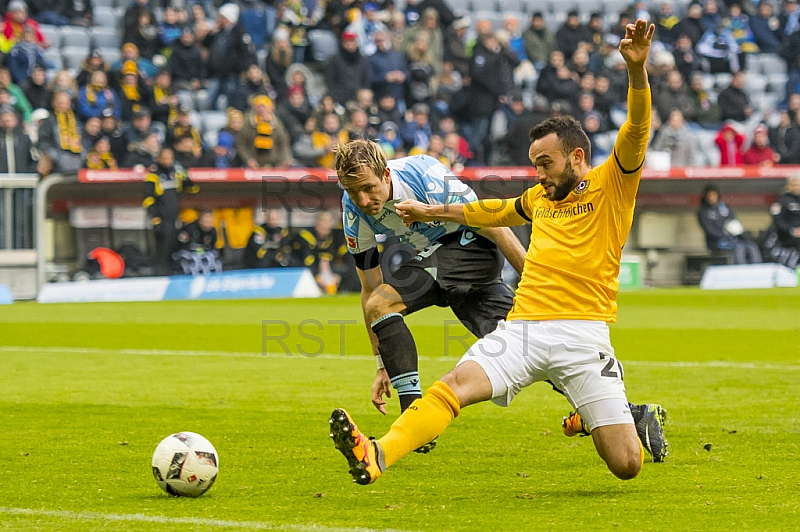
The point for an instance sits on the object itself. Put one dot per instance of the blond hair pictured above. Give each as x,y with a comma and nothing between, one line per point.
352,157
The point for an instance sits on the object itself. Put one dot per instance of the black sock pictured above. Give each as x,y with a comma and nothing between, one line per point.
399,354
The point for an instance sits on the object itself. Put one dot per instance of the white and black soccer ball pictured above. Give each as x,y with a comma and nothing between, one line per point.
185,464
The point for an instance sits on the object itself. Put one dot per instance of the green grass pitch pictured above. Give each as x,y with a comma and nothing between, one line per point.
87,391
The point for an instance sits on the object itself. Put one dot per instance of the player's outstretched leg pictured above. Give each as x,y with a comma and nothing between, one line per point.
649,420
364,456
422,422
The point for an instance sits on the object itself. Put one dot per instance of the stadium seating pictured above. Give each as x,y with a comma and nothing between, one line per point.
105,37
73,56
74,37
52,34
105,17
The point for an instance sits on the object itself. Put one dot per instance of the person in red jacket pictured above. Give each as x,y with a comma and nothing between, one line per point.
15,20
729,141
760,153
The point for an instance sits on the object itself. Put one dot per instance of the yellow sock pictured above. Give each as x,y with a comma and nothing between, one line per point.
423,421
641,448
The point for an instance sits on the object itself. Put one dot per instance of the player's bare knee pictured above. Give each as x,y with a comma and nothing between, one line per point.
627,467
382,302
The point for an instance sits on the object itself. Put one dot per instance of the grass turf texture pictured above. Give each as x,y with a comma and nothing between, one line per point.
89,390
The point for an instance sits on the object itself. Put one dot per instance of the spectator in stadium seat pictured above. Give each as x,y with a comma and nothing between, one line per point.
301,75
94,62
24,56
455,45
711,18
667,24
279,60
186,63
720,50
734,104
676,138
365,101
235,122
96,96
792,140
571,34
187,154
183,126
723,230
111,128
165,102
675,95
421,71
326,107
358,126
778,134
60,137
230,53
16,148
387,109
143,153
144,34
766,28
790,18
730,142
415,130
329,134
253,83
692,23
539,41
429,25
134,93
760,153
516,139
35,88
130,19
14,95
223,155
197,251
16,19
293,112
557,80
687,61
62,82
783,237
138,128
263,141
50,12
92,130
99,156
706,112
738,23
388,71
169,29
347,71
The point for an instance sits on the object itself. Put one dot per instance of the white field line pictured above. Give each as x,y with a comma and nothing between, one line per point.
329,356
162,520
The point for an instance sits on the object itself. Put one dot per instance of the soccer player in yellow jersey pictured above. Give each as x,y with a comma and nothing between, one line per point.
557,329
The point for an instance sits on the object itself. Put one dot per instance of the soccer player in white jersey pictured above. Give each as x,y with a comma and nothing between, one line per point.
456,266
557,329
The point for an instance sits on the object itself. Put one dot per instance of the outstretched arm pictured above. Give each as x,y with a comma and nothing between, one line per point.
482,213
632,140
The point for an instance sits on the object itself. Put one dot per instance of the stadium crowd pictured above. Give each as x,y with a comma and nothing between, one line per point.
86,84
279,83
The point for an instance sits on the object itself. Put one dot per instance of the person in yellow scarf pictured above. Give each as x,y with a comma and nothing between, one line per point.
263,141
165,101
329,136
96,96
60,137
135,94
100,157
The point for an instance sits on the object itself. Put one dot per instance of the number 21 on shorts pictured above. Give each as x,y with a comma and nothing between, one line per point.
608,369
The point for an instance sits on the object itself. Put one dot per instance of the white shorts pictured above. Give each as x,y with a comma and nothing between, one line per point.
575,356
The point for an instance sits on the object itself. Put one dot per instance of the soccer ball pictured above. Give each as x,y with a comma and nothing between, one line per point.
185,464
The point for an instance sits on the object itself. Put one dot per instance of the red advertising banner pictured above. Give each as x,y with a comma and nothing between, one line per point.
211,175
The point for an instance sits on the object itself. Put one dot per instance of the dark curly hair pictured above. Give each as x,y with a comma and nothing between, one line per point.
569,133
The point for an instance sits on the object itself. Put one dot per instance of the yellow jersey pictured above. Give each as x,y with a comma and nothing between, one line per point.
572,263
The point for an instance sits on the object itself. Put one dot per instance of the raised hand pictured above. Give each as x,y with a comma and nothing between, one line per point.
635,47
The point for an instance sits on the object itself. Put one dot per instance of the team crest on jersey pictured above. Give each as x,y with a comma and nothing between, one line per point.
582,187
351,242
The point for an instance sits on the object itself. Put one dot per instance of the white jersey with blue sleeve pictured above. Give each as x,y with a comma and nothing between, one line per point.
421,178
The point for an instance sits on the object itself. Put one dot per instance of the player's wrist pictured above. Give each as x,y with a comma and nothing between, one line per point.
379,361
